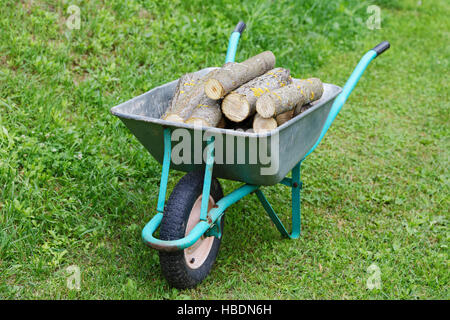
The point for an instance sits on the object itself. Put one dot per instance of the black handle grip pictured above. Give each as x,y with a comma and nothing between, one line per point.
240,27
382,47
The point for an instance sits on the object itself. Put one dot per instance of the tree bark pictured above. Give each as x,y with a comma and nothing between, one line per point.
184,103
300,109
287,98
208,115
185,84
284,117
233,76
241,103
261,124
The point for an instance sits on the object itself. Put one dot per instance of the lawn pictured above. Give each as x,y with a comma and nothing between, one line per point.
76,187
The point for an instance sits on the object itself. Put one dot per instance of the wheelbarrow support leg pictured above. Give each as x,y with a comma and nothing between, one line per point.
165,175
207,178
216,229
296,186
165,171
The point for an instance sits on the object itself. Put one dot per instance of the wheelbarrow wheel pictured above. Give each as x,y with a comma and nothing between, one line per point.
187,268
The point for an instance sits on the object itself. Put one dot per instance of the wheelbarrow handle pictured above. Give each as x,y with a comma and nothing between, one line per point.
349,86
381,47
234,40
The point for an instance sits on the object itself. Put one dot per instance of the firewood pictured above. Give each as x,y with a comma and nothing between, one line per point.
300,109
208,115
241,103
193,96
288,97
284,117
222,123
185,84
232,76
261,124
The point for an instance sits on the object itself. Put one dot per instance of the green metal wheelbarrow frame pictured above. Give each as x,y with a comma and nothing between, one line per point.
209,221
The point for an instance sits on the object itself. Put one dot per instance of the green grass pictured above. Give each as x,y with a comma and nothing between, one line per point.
76,187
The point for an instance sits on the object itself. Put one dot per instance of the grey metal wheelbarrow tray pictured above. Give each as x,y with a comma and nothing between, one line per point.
295,137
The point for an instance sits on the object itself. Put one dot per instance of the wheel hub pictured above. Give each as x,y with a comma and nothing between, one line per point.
196,254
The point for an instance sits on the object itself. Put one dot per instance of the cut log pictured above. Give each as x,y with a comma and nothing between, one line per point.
185,84
261,124
184,105
172,117
208,115
287,98
221,123
300,109
284,117
241,103
232,76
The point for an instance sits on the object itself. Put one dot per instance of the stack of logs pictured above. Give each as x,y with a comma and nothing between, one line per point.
250,93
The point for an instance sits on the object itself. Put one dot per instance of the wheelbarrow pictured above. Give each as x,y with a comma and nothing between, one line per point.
192,221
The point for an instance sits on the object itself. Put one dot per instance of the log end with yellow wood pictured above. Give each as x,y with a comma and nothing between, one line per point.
267,104
235,107
261,125
214,89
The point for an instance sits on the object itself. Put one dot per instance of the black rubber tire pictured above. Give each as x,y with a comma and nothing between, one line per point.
173,226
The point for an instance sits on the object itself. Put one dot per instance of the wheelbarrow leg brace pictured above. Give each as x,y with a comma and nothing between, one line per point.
165,171
296,186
